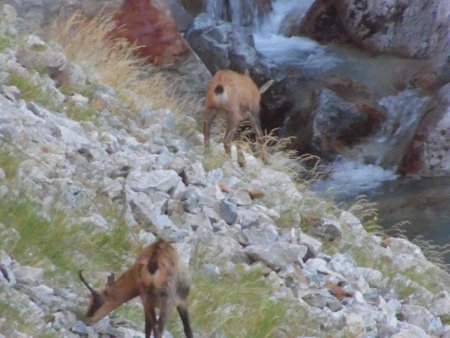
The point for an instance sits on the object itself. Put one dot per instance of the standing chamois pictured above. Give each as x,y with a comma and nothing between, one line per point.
235,98
161,280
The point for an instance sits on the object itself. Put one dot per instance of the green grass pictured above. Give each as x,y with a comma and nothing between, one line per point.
239,305
32,92
9,162
5,43
56,246
13,319
82,113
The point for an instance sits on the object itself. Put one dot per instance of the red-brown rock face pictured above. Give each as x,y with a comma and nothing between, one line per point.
144,23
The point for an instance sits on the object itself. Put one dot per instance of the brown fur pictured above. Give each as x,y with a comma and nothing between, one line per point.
235,98
161,280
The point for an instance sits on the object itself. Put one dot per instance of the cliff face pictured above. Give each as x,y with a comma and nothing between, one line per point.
91,171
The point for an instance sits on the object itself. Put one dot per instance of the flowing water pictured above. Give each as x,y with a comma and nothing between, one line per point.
368,168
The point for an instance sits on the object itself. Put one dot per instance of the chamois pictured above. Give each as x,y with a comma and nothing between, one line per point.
161,280
235,98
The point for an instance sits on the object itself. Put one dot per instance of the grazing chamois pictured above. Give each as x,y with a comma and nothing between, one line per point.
161,280
235,98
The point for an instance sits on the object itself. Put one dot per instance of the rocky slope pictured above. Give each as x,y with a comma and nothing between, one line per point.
86,180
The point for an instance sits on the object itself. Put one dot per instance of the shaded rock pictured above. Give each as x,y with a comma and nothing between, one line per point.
421,317
322,300
217,249
152,30
38,55
411,331
441,304
162,180
338,124
248,218
327,229
265,234
71,75
219,44
195,174
228,211
428,153
28,275
276,255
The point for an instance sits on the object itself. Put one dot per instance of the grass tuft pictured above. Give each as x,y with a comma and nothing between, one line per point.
9,163
55,245
87,42
30,91
217,308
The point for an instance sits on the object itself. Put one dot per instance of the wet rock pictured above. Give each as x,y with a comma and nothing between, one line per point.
382,25
221,45
338,124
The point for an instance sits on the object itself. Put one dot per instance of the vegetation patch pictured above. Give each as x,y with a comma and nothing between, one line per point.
5,43
53,244
30,91
240,305
9,163
82,113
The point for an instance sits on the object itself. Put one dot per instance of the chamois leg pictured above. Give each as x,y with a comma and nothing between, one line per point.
240,155
150,316
183,312
210,115
231,135
164,313
256,125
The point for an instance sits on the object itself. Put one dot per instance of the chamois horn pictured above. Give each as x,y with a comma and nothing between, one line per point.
80,274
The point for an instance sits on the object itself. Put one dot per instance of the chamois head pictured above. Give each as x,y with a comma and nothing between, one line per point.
101,302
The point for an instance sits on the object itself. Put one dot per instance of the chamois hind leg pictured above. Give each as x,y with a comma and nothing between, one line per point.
210,115
231,135
256,125
183,312
150,316
166,308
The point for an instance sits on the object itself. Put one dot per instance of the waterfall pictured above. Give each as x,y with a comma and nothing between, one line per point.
250,13
238,12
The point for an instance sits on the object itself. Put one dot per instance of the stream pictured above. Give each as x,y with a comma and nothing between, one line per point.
420,206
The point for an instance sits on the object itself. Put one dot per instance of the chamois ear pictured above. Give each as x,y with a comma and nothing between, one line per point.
111,279
246,72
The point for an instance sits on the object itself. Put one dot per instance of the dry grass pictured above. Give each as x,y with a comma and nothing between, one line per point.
301,169
86,42
367,212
